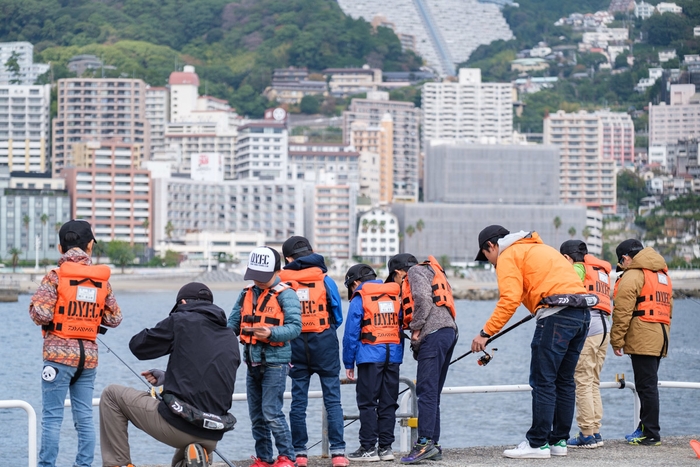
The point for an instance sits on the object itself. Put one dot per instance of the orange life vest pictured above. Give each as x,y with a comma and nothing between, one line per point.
597,281
82,292
311,290
380,322
265,312
654,300
442,291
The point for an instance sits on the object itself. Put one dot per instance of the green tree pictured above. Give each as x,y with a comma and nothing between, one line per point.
12,67
14,254
572,232
557,224
420,225
310,105
120,253
169,229
171,259
99,249
410,230
586,232
630,189
26,220
667,28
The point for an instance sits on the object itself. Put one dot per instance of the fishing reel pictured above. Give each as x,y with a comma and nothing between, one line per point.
486,358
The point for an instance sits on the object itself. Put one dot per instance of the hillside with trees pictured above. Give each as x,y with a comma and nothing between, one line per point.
234,45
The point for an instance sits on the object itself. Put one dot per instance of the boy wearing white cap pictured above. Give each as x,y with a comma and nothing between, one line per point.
266,316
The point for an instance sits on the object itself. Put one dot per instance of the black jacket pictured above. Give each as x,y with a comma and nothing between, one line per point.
204,357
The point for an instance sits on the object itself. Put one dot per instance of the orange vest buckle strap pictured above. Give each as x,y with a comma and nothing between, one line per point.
81,295
441,291
263,312
310,288
380,323
597,281
654,300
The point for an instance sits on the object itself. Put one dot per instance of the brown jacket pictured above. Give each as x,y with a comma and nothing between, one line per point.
629,333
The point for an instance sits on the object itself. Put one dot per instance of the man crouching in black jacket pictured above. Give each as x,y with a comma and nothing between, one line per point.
192,414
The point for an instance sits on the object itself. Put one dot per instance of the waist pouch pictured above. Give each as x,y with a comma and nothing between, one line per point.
198,418
571,300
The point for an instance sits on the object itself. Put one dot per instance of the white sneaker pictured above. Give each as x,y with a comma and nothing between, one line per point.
524,451
558,449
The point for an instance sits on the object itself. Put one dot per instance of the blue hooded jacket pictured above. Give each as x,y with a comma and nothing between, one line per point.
356,352
318,352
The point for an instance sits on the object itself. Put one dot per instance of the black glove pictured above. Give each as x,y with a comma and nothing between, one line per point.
159,375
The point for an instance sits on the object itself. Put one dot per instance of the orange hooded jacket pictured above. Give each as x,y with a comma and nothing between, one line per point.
528,271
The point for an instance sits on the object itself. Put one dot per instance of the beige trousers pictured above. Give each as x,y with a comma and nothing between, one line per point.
120,405
589,408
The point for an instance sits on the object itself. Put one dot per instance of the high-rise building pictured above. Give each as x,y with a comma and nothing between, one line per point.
406,144
184,92
262,151
376,142
333,229
24,127
27,71
110,190
468,110
588,144
158,115
680,120
311,161
94,109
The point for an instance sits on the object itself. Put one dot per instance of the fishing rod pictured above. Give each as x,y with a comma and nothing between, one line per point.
483,361
155,393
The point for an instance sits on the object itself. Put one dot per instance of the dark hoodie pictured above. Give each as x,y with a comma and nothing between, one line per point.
204,358
318,352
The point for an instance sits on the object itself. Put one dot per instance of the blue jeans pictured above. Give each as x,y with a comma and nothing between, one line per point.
54,387
330,386
555,346
265,389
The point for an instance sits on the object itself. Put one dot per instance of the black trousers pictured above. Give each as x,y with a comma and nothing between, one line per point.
646,380
377,396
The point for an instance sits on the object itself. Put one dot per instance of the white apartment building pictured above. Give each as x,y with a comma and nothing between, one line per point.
406,140
665,7
262,151
658,156
377,236
311,161
666,55
207,246
589,144
333,231
343,82
184,92
603,36
158,115
28,70
644,10
594,240
468,109
696,31
680,120
24,127
181,205
94,109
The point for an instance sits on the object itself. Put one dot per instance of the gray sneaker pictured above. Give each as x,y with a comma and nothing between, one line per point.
386,454
364,455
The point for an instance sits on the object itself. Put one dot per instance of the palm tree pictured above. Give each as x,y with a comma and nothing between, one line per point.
572,232
410,230
26,220
420,225
365,224
57,226
401,237
44,220
586,232
169,230
15,252
557,224
99,249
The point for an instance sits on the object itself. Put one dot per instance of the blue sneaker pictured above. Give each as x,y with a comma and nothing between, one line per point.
598,439
422,450
581,441
638,433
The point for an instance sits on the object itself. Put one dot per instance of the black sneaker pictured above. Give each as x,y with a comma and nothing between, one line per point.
645,441
422,450
385,453
364,455
438,456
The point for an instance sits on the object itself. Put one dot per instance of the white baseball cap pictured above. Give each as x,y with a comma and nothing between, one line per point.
262,264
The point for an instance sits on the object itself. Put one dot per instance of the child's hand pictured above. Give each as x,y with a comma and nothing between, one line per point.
261,332
350,374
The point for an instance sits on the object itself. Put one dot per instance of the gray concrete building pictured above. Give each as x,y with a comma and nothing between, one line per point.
459,172
453,229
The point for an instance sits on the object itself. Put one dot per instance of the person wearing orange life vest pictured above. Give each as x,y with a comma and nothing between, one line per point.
595,274
316,350
267,316
641,328
70,305
373,341
428,309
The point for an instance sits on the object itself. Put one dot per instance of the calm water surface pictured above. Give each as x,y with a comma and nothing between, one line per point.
467,420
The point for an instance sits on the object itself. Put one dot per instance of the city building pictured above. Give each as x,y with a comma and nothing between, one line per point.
644,10
529,64
696,31
184,93
311,161
460,172
666,55
665,7
677,121
109,189
290,85
157,114
377,236
332,232
406,143
344,82
590,145
468,109
603,36
262,150
94,109
24,127
209,247
79,64
376,143
27,71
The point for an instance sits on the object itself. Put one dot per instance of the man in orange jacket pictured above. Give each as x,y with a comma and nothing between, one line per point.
537,275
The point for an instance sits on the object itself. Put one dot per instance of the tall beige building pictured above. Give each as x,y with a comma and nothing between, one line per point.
587,168
678,121
94,109
157,114
376,147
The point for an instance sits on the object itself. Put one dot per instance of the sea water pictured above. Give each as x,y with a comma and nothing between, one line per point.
467,419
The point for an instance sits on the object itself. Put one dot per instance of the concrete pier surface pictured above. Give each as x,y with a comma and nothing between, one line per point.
674,451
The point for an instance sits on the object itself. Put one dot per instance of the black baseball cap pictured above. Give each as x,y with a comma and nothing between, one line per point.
629,247
402,261
490,233
295,245
193,291
359,272
570,247
79,227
